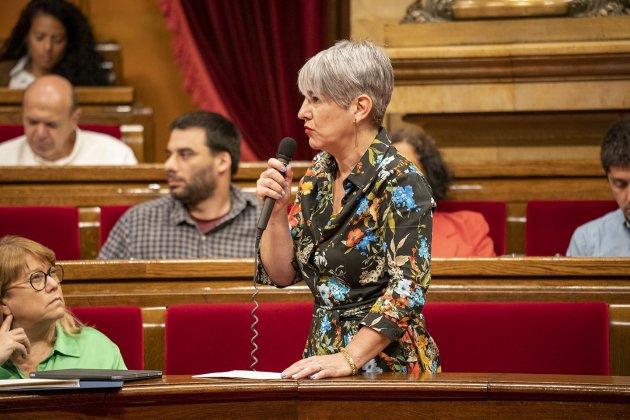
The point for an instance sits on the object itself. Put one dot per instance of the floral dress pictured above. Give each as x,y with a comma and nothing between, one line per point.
368,264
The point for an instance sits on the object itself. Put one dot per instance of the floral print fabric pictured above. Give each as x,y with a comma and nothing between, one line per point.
369,263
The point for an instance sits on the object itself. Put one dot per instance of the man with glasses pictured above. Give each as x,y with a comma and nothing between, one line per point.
37,332
205,215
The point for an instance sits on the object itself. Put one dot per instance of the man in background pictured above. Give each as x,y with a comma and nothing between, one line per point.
50,115
609,235
205,215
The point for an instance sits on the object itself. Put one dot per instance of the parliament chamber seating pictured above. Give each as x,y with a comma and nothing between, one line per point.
90,189
157,285
203,338
521,337
108,218
122,324
131,134
550,224
477,337
55,227
495,213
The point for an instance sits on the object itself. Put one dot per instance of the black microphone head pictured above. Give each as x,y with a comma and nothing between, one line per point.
286,149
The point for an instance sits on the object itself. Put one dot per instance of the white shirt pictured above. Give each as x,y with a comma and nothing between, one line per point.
20,77
90,148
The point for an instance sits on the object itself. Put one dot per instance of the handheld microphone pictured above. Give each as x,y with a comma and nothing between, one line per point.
286,149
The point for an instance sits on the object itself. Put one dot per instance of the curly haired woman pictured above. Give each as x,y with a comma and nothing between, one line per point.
51,37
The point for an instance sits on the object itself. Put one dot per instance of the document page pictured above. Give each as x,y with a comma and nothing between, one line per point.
242,374
37,384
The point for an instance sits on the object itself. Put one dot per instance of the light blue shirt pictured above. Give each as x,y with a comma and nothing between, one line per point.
607,236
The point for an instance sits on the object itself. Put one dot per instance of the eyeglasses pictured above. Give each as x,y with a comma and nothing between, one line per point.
38,279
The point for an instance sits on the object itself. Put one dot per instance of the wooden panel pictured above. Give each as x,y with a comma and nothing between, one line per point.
112,61
512,89
509,31
89,222
120,95
620,337
154,322
522,131
154,285
400,396
515,182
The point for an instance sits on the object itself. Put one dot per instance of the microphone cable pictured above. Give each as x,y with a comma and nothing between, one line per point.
286,149
253,298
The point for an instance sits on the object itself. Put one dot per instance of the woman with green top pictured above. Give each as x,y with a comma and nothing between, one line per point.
36,330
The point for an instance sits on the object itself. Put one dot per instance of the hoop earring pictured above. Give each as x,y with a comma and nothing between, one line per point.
356,139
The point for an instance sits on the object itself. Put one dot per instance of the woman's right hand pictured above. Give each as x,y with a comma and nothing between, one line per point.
12,340
275,182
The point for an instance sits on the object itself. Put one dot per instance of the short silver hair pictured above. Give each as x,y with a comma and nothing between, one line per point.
346,70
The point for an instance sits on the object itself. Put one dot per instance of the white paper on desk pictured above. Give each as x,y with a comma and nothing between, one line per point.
37,384
242,374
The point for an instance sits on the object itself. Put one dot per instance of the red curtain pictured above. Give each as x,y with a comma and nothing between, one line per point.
240,58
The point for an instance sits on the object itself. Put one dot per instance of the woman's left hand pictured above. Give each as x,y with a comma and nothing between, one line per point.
319,367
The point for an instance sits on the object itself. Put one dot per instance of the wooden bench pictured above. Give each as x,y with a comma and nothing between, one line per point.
515,183
154,285
87,96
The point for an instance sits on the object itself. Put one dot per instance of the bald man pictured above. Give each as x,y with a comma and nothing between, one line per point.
52,136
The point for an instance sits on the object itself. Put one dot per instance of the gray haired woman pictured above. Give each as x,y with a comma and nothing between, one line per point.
359,231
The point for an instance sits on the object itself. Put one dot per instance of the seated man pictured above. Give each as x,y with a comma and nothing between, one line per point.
51,135
609,235
461,233
205,216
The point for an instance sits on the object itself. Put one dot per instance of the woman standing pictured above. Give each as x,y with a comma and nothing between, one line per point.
359,232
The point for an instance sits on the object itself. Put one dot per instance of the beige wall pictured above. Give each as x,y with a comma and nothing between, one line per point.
368,16
367,20
138,26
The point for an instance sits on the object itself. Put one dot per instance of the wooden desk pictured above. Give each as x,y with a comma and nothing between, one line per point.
396,396
118,95
154,285
89,188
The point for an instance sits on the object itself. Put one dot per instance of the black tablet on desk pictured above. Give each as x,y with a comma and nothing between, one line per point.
97,374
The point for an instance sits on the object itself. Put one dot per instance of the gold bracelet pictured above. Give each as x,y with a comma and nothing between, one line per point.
350,360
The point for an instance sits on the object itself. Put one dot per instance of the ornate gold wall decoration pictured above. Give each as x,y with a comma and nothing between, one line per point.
423,11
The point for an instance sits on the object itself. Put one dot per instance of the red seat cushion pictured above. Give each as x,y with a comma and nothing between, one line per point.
109,217
55,227
550,224
203,338
495,213
122,325
521,337
10,131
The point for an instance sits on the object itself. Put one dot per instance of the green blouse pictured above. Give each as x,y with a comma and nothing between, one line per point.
88,349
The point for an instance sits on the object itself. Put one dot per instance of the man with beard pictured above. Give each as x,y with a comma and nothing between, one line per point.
205,215
609,235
